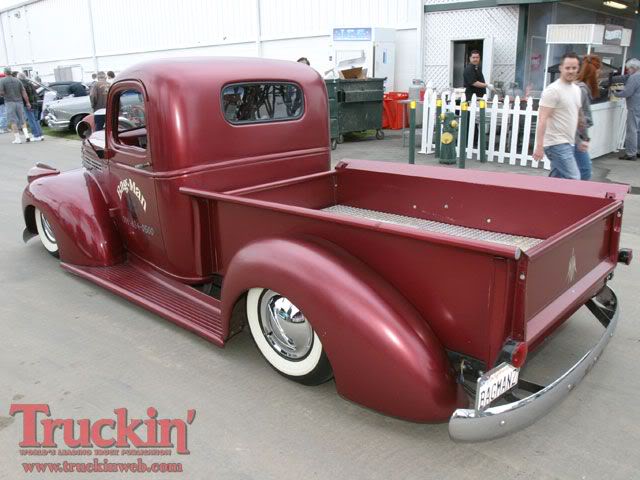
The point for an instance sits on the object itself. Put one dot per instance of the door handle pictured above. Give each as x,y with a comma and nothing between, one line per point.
140,166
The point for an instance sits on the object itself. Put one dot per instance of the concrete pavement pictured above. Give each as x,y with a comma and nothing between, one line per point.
85,352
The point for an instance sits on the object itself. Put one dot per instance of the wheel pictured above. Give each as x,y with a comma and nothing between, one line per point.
285,338
341,138
334,144
379,134
45,232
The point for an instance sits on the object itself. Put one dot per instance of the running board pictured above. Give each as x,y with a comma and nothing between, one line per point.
178,303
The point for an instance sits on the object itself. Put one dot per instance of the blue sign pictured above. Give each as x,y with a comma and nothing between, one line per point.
352,34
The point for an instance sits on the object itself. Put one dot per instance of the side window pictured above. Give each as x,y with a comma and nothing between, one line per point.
262,102
132,123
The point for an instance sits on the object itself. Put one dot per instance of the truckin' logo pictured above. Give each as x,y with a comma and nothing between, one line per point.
573,269
127,185
118,432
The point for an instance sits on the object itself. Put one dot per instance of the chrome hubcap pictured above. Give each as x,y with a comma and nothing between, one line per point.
48,231
284,326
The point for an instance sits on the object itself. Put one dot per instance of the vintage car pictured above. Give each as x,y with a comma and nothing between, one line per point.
67,113
421,290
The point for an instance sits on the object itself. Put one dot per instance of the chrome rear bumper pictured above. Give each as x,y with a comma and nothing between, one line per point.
467,425
55,124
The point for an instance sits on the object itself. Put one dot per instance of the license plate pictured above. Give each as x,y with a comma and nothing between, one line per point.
495,383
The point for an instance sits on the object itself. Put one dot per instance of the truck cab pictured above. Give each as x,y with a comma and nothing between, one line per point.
193,124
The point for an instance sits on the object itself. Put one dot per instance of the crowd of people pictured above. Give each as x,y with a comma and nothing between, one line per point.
18,100
19,103
564,116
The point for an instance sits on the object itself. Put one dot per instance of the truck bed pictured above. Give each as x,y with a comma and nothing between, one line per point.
483,257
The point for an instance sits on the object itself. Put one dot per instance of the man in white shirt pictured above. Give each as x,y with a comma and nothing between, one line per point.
558,117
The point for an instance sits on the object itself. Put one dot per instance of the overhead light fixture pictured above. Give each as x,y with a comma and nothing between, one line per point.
612,4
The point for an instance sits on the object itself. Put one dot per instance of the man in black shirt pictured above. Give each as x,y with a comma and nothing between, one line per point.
473,77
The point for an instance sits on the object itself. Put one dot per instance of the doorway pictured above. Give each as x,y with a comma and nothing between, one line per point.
461,51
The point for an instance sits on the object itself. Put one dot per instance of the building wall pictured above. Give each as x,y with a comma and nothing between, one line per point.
112,34
442,28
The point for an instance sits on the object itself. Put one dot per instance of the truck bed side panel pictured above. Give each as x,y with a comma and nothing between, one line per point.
450,287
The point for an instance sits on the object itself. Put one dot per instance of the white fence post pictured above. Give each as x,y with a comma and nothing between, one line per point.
504,126
515,131
493,125
472,126
428,118
524,153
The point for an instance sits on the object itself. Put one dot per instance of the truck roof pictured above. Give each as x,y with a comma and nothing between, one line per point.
185,122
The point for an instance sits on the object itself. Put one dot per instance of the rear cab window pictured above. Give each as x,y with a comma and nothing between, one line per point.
260,102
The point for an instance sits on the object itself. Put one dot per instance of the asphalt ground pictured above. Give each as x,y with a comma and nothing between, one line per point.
83,351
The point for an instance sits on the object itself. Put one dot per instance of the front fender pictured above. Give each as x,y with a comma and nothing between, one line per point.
79,217
384,355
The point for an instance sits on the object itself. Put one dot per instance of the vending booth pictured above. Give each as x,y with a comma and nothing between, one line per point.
610,43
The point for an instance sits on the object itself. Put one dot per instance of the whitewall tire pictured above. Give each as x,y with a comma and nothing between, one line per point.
46,234
285,338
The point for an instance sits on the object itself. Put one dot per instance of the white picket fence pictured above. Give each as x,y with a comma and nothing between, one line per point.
508,124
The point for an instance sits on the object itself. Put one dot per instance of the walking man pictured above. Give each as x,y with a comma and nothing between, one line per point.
631,93
15,97
558,118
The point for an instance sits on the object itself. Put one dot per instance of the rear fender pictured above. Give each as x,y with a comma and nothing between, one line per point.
79,217
384,355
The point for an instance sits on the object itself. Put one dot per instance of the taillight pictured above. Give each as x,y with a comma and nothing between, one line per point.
514,353
519,354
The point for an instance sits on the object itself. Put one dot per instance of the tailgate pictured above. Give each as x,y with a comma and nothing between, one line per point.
560,274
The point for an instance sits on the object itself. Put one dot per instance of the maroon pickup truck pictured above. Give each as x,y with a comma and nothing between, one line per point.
209,199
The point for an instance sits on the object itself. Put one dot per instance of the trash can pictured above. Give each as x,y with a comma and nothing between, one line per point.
355,105
394,111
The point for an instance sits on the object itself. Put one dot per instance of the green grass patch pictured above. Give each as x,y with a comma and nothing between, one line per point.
60,134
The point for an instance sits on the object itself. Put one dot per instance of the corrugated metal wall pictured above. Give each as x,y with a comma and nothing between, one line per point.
47,33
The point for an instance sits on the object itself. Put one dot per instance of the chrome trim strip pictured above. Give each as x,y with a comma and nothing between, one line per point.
57,125
467,425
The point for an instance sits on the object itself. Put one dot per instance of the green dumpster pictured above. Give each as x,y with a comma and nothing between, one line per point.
354,106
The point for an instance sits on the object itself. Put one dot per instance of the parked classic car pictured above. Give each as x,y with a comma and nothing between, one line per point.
421,290
67,113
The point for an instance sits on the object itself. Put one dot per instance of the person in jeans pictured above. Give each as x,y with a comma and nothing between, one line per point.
34,124
3,116
631,93
588,84
3,112
558,118
14,99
